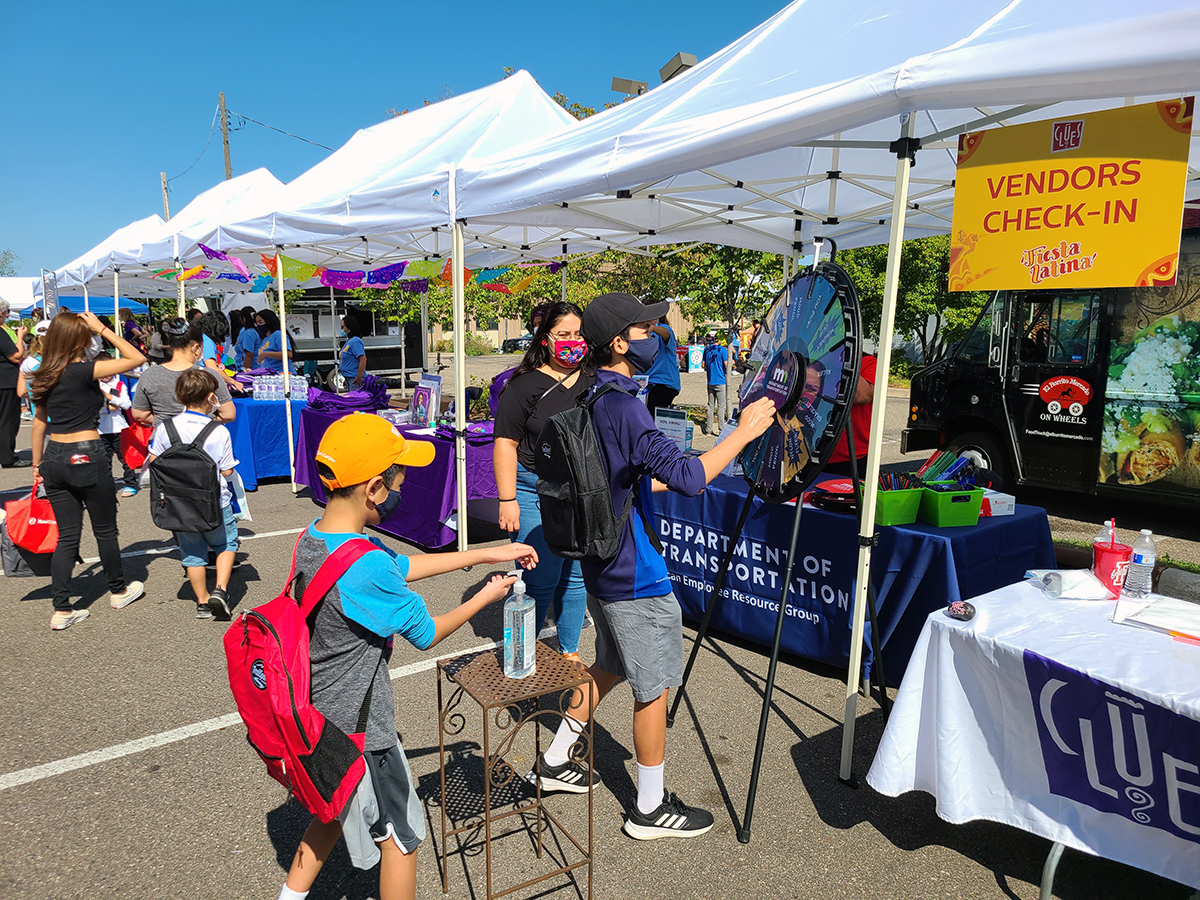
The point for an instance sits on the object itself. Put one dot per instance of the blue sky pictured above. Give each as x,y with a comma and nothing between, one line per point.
102,97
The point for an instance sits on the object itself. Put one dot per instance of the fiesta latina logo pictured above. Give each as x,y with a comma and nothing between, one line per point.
1066,136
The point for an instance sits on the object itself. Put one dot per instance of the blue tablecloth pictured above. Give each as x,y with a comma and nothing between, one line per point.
259,433
915,569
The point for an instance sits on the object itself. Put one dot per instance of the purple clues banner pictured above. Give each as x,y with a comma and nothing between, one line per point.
1115,751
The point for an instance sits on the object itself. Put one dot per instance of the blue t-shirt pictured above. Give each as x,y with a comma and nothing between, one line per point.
274,343
375,594
665,370
352,351
210,350
248,342
714,363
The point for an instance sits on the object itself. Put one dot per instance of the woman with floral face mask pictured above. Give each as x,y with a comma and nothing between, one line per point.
554,372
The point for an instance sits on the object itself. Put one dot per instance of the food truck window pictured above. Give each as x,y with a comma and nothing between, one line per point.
1059,328
977,345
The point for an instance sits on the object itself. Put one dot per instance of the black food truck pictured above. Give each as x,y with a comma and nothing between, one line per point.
1084,390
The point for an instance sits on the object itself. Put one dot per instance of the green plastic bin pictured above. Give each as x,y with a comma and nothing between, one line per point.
898,507
948,508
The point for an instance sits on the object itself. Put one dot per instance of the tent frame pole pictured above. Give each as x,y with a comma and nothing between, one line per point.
333,326
905,149
86,303
458,288
117,304
287,366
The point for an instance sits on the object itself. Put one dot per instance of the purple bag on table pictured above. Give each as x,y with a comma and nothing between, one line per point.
371,396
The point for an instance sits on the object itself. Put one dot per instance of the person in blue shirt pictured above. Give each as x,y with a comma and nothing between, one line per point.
353,363
214,330
271,353
245,352
362,462
663,377
639,627
716,360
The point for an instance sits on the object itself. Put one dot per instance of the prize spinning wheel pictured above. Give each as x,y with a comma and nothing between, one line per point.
809,352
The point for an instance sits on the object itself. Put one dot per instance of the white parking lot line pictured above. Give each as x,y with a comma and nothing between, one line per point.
174,735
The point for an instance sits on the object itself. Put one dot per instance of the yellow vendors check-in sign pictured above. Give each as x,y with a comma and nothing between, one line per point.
1086,201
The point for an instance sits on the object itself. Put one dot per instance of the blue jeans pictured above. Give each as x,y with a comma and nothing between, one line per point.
554,579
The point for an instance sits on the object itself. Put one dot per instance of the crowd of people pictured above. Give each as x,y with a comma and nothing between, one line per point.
80,402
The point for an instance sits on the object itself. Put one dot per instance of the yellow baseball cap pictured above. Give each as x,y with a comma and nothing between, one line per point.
360,446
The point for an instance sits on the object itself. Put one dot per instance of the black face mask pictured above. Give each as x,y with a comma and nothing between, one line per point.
263,330
389,504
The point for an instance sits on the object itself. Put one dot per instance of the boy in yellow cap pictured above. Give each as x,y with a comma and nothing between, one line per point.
362,461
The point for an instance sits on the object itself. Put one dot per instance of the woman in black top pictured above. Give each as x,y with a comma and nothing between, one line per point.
72,463
548,380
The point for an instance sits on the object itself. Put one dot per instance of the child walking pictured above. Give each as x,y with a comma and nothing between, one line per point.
196,389
362,461
112,423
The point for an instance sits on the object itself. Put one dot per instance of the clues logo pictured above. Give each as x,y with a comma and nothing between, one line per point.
1066,136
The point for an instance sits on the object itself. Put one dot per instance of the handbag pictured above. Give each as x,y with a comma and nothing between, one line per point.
135,442
31,524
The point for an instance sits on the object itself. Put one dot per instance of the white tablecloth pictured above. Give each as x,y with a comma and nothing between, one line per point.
1011,717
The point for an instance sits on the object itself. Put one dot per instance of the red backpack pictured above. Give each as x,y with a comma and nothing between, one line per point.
266,651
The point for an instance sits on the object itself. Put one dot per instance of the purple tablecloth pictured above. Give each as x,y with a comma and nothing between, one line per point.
428,497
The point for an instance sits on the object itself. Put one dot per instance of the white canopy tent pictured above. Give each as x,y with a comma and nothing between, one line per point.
394,177
805,128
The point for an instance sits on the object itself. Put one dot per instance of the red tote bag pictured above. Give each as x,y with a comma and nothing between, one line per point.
135,444
31,524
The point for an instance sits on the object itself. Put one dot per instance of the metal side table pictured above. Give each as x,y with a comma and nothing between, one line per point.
507,705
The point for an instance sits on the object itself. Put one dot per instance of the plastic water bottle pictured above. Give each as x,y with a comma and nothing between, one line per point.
520,634
1141,565
254,389
276,388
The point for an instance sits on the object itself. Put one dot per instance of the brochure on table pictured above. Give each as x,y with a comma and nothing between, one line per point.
675,425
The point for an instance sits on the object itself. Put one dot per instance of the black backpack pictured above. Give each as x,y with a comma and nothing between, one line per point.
185,486
573,487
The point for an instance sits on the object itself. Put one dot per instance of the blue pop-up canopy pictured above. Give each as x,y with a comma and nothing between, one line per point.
101,306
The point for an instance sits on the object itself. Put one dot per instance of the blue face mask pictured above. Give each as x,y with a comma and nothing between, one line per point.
389,504
642,352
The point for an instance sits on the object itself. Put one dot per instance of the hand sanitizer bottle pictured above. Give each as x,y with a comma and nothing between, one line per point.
520,633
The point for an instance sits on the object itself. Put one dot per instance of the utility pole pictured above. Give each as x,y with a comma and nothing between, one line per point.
166,203
225,135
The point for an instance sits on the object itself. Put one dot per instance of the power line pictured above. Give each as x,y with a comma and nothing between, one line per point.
211,131
245,119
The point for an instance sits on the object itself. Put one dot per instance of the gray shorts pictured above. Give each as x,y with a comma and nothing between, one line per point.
642,641
385,805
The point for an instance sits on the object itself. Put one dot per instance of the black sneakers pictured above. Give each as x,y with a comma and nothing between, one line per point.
570,777
218,604
673,818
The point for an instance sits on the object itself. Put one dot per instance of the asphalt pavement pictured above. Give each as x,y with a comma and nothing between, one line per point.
126,772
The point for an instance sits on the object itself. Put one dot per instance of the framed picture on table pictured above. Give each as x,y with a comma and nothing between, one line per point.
422,402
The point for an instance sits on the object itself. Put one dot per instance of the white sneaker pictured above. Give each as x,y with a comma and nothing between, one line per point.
132,591
63,620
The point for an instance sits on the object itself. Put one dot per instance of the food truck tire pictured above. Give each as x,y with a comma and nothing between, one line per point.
986,450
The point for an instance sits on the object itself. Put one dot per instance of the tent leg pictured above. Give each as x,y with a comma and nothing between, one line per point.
117,302
1048,871
182,305
457,261
875,445
744,831
287,366
86,303
872,609
334,319
711,606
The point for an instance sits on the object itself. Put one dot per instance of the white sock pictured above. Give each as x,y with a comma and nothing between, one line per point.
286,893
650,788
567,734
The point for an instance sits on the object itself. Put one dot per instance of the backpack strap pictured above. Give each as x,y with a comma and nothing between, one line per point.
172,432
589,401
198,440
331,570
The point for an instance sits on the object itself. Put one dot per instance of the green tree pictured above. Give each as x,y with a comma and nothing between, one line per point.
727,284
8,263
926,309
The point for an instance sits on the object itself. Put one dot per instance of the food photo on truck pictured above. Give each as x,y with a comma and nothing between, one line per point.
1096,391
